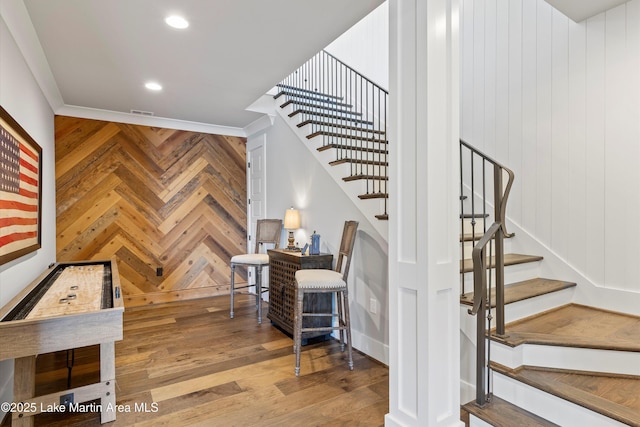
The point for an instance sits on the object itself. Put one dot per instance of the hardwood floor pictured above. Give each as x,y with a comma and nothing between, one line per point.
192,365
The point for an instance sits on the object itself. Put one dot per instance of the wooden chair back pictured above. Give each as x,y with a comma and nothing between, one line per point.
268,231
346,247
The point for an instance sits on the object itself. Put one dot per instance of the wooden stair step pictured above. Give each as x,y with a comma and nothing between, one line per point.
371,177
316,107
292,97
575,325
500,413
358,161
466,265
351,148
520,291
474,215
312,92
312,96
373,196
347,136
383,217
330,116
339,126
614,396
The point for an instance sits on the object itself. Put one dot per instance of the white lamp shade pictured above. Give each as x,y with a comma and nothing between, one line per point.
291,219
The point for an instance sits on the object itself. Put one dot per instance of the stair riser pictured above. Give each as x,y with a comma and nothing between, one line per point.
513,273
477,422
547,406
581,359
468,228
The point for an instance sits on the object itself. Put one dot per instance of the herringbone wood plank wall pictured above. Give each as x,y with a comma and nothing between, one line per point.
153,198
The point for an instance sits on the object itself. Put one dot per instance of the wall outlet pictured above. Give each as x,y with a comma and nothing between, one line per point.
373,306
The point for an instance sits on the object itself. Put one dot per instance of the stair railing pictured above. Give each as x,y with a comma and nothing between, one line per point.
485,262
324,87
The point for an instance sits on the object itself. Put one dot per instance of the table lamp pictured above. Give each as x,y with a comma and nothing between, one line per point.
291,222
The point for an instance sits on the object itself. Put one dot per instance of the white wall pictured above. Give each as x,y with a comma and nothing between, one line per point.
21,96
295,178
559,103
365,46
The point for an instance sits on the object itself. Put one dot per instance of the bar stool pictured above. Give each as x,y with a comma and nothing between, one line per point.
327,281
267,231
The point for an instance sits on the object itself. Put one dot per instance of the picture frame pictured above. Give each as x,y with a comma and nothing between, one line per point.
20,190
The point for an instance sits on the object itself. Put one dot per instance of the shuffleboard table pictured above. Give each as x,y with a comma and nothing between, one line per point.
70,305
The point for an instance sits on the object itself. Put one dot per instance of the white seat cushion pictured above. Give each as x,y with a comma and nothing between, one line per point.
319,279
253,259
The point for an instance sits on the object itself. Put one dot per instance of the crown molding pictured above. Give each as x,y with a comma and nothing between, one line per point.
135,119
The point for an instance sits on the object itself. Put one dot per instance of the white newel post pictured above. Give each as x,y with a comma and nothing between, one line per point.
423,228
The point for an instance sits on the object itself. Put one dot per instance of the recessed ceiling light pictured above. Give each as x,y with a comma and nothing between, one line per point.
153,86
176,21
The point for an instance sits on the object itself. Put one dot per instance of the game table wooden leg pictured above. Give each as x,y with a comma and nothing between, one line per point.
24,388
108,377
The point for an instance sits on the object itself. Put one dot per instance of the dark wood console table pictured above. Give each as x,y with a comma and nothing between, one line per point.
282,270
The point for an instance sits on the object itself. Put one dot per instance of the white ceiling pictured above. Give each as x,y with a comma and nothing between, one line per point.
100,53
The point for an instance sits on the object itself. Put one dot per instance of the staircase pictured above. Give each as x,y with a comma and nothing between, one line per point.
555,362
343,115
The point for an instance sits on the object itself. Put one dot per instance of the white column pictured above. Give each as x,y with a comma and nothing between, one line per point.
423,228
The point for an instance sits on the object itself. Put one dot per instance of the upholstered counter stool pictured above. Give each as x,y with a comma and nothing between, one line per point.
267,232
327,281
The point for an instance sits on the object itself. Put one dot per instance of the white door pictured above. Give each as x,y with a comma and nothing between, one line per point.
256,191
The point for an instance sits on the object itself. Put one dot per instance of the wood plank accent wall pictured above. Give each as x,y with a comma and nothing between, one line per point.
155,198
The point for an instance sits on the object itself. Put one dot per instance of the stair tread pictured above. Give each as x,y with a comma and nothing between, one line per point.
371,177
329,108
330,116
314,98
358,161
338,126
379,195
466,265
500,413
360,137
313,92
520,291
612,395
576,325
351,148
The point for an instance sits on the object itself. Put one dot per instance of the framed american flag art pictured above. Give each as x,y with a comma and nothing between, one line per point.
20,190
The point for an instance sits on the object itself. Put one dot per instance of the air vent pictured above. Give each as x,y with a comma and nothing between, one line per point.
142,113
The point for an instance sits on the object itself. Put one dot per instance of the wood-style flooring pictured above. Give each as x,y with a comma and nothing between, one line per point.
192,365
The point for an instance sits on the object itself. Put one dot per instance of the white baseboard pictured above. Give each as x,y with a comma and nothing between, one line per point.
587,292
371,347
